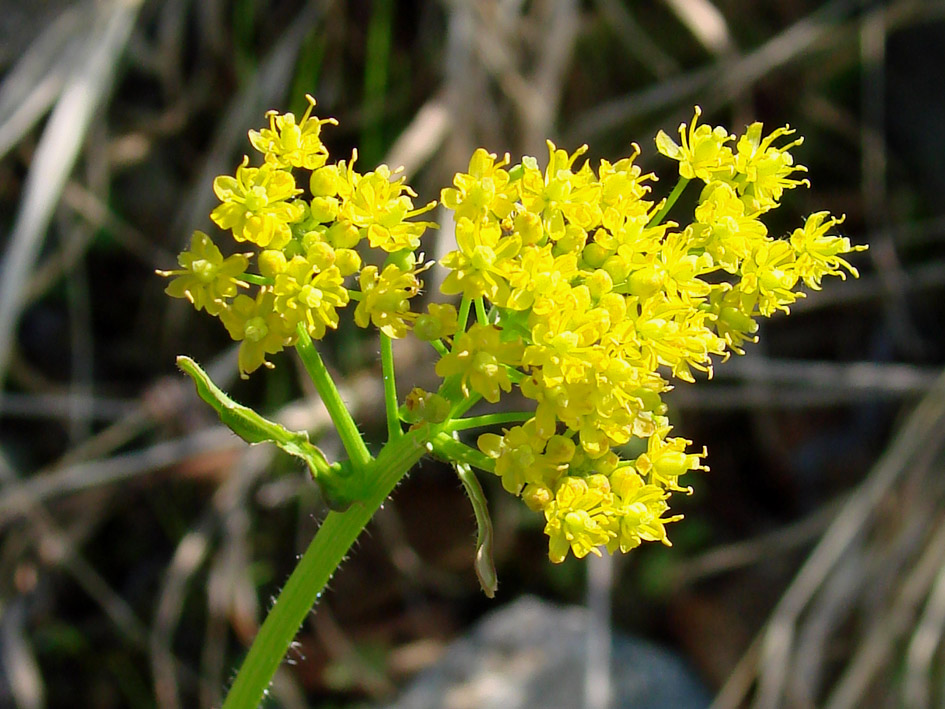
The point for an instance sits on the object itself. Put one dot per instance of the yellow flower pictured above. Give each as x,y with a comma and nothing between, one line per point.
310,291
254,205
703,152
286,143
672,332
666,460
578,518
769,276
258,328
723,227
623,186
205,278
559,193
379,204
593,304
538,273
638,512
818,254
679,267
483,263
522,456
440,321
480,357
763,171
484,192
734,312
385,300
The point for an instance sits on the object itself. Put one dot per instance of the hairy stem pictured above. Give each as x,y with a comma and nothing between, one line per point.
448,448
326,551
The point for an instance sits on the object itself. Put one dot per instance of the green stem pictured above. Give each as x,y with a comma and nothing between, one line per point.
347,430
481,312
489,420
326,551
394,431
448,448
464,405
256,280
516,376
463,318
670,201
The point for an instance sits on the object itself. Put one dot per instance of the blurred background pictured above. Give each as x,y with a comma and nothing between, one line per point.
141,543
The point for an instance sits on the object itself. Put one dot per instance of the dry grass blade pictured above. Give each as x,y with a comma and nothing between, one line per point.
61,406
55,156
811,660
869,289
925,640
190,554
914,439
262,90
794,384
920,434
59,549
865,378
706,23
637,40
420,140
750,551
17,660
875,650
83,476
231,591
31,87
731,78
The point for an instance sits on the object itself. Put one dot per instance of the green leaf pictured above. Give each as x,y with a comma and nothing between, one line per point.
253,428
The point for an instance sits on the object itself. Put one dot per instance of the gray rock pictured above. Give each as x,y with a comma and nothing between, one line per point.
530,654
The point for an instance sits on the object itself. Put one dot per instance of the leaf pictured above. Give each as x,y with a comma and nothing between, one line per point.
253,428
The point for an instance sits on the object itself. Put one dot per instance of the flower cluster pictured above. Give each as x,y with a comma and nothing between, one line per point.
592,303
575,291
303,244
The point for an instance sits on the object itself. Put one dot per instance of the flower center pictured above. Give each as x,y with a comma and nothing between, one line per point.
204,270
256,199
255,329
482,257
311,296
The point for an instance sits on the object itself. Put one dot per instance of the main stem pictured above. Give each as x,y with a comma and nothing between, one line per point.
329,547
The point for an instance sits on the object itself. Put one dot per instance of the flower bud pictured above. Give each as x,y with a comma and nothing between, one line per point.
271,263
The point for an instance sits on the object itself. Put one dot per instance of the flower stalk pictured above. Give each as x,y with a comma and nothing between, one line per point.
351,439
